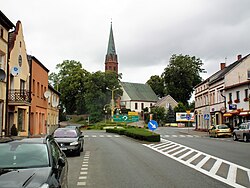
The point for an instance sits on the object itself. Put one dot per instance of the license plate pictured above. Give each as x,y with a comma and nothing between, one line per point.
63,148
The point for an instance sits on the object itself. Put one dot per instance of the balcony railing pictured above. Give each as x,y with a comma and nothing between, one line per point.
19,97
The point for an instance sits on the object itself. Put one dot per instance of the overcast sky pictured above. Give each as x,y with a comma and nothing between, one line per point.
146,32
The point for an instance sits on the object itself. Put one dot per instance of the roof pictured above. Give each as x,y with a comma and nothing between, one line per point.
167,98
139,92
221,73
111,44
5,22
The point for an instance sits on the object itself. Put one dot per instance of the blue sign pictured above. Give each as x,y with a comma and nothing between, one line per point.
152,125
188,117
206,116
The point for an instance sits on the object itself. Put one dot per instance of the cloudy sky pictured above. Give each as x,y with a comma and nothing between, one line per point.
146,32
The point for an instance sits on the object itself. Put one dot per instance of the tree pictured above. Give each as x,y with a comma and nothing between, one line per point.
181,75
159,113
70,81
180,108
157,84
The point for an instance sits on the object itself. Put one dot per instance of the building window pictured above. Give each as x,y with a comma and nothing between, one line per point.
142,106
1,34
2,60
136,106
38,89
230,96
246,93
238,95
41,91
33,87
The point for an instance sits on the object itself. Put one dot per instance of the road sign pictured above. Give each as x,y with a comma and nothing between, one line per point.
125,118
188,117
206,116
152,125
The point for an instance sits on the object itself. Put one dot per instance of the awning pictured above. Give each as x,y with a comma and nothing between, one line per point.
227,114
245,113
235,112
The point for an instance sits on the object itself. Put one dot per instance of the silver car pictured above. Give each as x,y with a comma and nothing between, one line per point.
70,140
242,133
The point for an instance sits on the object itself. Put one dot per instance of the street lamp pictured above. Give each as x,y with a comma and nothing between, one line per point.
112,102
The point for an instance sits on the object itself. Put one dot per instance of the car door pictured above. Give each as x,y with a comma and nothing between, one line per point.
62,170
241,131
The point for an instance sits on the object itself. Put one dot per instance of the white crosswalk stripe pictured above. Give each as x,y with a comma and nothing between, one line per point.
101,136
207,164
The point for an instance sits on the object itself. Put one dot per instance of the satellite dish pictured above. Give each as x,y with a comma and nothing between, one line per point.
47,94
15,71
54,104
2,75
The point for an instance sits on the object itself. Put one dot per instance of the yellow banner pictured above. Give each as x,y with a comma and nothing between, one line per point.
132,113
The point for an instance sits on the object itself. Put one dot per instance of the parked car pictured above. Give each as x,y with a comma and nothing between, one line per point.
71,140
220,130
32,162
242,132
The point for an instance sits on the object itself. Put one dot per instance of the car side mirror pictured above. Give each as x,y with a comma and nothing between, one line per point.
61,162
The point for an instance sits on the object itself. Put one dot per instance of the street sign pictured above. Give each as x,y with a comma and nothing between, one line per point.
188,117
152,125
125,118
206,116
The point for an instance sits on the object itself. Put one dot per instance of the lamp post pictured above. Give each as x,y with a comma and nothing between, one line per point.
112,102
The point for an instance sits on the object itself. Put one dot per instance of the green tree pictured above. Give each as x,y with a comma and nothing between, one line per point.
181,75
180,108
157,84
70,81
159,114
170,116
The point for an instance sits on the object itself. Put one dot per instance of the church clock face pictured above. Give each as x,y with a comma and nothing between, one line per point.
20,60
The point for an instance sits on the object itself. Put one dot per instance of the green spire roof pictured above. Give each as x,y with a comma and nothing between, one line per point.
111,45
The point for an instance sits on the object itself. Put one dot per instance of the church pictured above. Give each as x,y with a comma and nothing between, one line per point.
136,96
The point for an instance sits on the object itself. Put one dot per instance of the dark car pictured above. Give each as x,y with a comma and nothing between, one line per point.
71,140
242,132
32,163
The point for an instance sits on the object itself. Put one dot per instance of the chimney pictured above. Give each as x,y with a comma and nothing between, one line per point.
222,66
239,57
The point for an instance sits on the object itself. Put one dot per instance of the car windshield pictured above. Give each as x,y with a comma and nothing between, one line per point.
222,127
23,155
65,133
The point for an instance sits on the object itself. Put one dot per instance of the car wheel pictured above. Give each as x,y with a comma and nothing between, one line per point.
82,148
245,138
78,152
235,137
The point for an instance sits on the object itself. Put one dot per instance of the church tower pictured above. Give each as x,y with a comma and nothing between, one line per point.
111,61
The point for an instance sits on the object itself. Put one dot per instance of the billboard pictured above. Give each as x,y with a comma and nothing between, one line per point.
184,117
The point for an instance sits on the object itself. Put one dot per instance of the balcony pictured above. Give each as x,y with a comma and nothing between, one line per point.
19,97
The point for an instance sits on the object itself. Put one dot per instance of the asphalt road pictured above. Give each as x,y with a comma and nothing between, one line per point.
110,160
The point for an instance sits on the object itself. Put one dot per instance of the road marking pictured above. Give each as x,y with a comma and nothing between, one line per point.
84,170
197,160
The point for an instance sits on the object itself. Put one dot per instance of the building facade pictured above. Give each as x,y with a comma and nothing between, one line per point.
216,97
5,27
39,104
52,109
19,99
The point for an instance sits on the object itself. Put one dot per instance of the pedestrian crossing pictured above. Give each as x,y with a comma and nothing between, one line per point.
222,170
101,136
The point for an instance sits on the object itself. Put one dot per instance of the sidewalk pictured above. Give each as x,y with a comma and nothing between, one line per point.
192,131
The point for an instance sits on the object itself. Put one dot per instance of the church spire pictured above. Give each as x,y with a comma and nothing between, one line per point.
111,44
111,62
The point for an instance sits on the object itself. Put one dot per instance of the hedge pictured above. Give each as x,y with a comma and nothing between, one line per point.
137,133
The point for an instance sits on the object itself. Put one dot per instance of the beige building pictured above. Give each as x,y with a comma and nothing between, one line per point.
19,97
52,96
5,26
